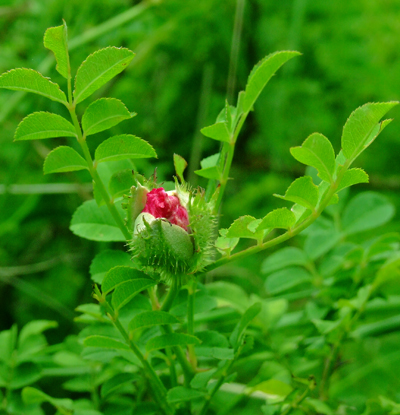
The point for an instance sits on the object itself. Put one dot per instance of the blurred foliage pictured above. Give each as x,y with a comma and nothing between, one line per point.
177,83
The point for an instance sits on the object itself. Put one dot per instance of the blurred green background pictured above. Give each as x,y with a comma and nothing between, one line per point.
177,83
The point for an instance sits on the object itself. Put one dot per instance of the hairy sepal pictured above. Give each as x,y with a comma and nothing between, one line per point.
202,224
161,249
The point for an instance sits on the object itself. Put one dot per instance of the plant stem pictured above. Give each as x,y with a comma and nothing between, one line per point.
159,390
279,239
214,390
235,46
190,320
95,175
185,365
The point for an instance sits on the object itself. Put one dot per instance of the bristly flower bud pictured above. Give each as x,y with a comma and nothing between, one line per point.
174,233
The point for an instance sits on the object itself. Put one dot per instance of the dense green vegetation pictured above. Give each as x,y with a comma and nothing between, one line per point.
326,338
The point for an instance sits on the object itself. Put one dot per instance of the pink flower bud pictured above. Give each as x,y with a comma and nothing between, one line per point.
162,205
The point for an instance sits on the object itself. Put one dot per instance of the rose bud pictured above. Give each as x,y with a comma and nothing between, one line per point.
161,244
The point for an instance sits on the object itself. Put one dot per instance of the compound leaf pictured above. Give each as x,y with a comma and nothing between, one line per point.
363,126
303,192
62,159
124,146
103,114
98,69
41,125
171,340
28,80
56,40
96,223
317,151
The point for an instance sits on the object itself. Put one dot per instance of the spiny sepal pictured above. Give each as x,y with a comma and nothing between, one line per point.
161,249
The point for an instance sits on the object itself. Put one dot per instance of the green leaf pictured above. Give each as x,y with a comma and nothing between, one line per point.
41,125
241,326
352,177
366,211
105,342
182,394
274,388
303,192
317,151
320,242
262,73
113,384
117,275
210,168
25,374
98,69
124,146
28,80
124,292
96,223
376,328
180,165
63,159
286,279
283,258
34,328
56,40
151,318
121,183
218,131
201,379
105,260
213,345
225,245
230,294
278,218
32,395
171,340
362,127
240,228
103,114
